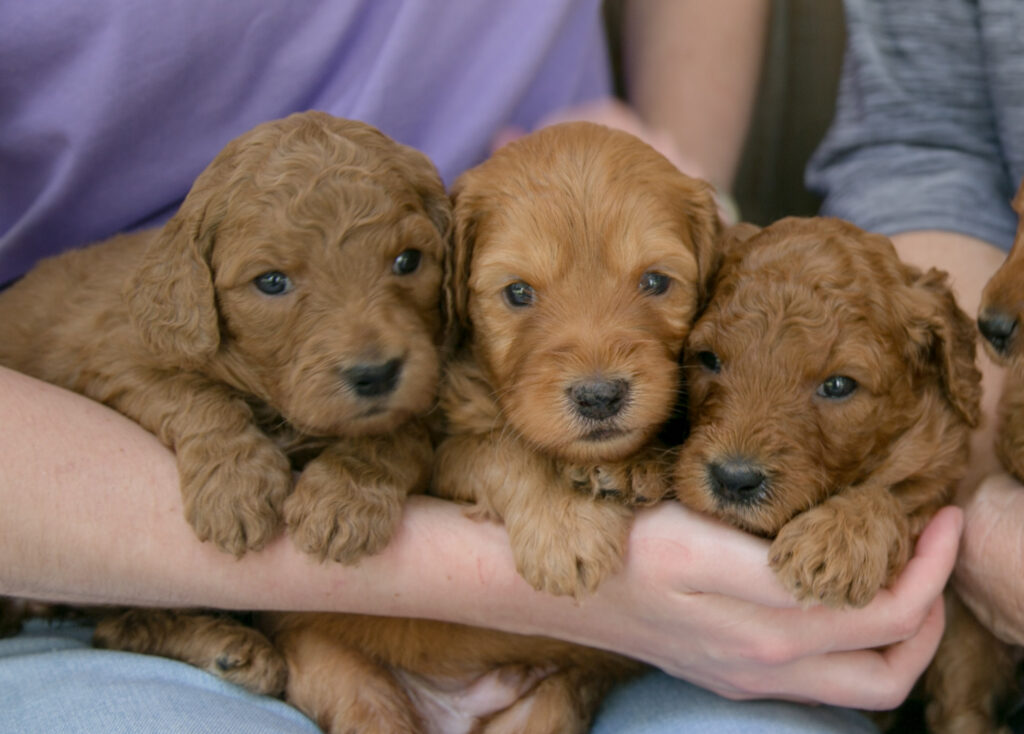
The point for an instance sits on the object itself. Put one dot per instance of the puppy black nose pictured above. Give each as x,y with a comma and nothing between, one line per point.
736,480
998,327
373,380
599,399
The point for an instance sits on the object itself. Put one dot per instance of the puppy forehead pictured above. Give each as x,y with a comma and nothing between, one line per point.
358,220
543,244
814,314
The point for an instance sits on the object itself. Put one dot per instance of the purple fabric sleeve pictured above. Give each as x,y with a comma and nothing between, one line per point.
109,109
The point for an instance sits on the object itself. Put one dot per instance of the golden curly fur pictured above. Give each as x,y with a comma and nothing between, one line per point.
234,334
608,270
832,393
580,258
287,317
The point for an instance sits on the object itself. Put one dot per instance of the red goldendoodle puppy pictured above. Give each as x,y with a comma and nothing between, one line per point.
234,332
832,393
580,259
288,317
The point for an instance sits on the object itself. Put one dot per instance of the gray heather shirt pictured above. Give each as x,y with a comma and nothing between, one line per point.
929,126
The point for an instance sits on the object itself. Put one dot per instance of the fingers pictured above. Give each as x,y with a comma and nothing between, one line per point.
875,680
765,645
729,568
897,613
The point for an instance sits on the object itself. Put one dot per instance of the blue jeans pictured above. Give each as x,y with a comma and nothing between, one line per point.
52,682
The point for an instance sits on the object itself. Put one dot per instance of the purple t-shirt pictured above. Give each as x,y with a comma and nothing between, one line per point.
110,108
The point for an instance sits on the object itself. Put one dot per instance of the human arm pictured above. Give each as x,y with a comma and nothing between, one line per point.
691,69
92,514
919,140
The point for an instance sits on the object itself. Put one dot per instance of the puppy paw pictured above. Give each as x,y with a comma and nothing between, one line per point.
825,556
636,483
233,494
333,517
247,659
219,645
572,551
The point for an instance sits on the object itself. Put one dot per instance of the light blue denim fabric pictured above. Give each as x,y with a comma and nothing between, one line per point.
52,682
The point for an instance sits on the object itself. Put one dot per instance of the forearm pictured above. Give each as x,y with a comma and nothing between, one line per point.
92,514
692,69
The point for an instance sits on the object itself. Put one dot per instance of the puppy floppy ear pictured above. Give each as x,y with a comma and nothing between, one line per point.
427,182
170,298
705,231
467,211
942,335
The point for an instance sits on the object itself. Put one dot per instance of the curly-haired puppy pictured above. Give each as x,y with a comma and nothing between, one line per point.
289,308
580,260
287,317
832,393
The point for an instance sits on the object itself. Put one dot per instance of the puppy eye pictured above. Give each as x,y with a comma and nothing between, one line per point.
406,262
710,361
519,294
837,386
654,283
274,283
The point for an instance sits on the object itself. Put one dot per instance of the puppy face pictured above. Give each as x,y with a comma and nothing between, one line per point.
1002,301
819,350
580,258
305,269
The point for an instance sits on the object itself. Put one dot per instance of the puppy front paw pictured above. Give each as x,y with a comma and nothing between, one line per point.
331,515
641,482
233,494
826,555
571,552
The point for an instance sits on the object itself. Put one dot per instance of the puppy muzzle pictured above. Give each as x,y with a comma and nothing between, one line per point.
998,328
737,480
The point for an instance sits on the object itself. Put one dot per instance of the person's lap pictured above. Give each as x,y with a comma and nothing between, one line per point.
52,682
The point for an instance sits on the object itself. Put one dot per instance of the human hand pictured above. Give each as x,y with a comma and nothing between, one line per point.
698,600
989,569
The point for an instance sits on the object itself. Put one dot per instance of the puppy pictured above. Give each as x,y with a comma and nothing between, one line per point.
237,334
832,393
1002,305
287,317
580,259
579,262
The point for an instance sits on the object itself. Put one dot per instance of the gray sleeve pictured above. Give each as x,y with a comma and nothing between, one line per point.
915,143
